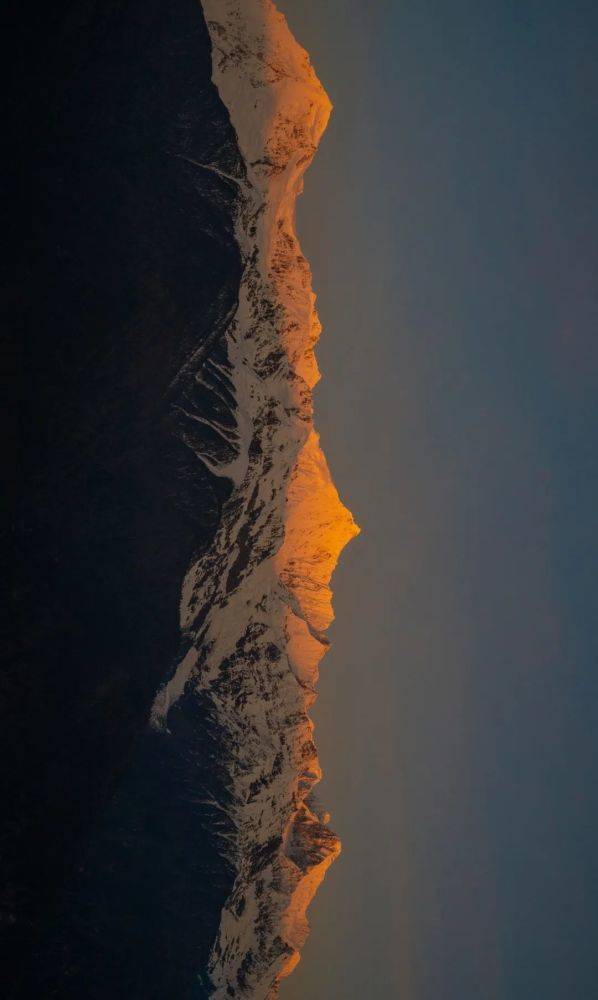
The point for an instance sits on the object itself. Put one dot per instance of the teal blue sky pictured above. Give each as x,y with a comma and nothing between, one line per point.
451,222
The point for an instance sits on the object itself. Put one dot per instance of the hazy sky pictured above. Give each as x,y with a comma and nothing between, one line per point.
451,222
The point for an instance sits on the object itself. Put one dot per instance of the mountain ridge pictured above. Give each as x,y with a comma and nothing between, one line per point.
255,607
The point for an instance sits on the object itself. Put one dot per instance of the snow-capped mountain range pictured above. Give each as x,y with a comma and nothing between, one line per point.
255,607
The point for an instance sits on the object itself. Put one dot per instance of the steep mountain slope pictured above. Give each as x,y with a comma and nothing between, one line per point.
256,605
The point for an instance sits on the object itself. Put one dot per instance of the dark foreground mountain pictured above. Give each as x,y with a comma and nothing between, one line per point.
123,265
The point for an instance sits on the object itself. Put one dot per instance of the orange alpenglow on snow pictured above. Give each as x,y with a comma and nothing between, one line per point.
258,603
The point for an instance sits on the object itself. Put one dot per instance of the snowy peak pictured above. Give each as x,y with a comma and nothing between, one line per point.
255,607
267,82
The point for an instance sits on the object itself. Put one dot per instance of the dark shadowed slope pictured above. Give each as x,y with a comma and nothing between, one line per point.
123,265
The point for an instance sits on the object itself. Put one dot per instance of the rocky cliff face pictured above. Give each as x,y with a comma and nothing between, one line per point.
256,605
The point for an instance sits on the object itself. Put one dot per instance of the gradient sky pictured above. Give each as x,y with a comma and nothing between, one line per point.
451,222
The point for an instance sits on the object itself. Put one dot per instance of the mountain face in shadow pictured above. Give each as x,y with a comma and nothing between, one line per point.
123,265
